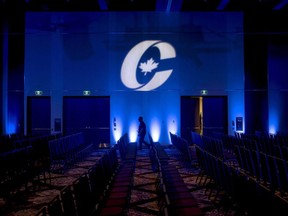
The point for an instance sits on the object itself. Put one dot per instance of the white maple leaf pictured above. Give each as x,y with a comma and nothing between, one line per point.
148,66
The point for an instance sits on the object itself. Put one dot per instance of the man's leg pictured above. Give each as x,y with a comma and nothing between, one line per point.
146,143
140,142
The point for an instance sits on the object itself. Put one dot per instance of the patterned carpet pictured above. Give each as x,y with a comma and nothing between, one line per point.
29,199
212,201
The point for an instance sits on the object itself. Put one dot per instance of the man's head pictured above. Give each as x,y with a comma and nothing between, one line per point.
140,118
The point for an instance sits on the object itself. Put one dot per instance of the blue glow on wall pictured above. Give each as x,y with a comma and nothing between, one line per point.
88,50
133,128
117,129
274,115
11,127
172,124
155,129
272,129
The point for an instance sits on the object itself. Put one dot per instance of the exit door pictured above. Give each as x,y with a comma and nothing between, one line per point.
215,115
204,115
38,115
87,114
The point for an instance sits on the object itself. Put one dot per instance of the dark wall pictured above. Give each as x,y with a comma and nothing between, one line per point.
12,64
261,30
256,95
1,69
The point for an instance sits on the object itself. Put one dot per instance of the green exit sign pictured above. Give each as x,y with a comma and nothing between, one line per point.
204,92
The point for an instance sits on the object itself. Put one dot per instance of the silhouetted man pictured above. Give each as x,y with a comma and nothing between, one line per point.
142,132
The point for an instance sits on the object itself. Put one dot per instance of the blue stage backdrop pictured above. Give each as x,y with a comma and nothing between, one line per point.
145,61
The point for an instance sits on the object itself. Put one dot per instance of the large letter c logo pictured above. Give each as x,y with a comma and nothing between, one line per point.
131,61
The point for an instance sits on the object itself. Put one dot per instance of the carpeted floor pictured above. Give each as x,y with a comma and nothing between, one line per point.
29,199
212,200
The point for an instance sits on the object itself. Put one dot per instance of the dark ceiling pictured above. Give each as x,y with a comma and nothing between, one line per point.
145,5
264,16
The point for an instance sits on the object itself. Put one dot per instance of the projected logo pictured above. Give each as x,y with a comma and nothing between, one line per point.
141,67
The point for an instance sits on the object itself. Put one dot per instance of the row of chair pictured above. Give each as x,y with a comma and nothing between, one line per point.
10,142
268,170
66,150
276,139
268,167
173,194
255,198
16,169
28,163
215,146
157,149
272,145
182,145
127,149
117,199
103,190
